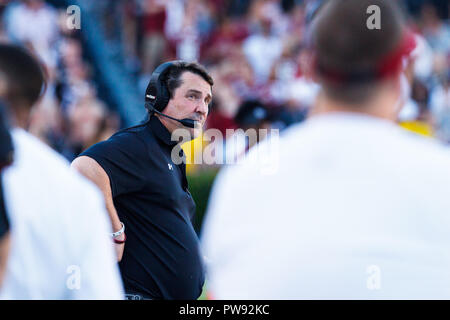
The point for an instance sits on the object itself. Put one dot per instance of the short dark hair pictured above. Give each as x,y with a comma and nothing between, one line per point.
23,75
342,42
173,75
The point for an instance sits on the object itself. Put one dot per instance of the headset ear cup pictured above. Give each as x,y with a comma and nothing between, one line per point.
158,92
151,96
157,88
164,97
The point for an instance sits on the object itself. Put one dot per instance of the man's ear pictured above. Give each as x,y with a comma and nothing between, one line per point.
402,91
308,66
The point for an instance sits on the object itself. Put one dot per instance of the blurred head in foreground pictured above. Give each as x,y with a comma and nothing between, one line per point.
21,82
340,200
359,55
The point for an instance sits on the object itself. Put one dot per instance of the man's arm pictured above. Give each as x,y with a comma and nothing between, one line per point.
89,168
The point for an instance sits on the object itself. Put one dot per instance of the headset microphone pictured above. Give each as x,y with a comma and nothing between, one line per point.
190,123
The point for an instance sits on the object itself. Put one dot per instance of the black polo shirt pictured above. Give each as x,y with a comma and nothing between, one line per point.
161,258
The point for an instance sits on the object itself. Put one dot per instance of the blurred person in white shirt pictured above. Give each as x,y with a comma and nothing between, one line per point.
263,48
35,24
358,208
61,245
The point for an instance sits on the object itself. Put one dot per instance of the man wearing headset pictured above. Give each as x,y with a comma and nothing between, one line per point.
146,191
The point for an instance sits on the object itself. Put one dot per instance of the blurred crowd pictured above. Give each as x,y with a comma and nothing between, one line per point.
256,51
252,49
70,117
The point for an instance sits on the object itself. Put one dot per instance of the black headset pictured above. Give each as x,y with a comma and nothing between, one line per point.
157,94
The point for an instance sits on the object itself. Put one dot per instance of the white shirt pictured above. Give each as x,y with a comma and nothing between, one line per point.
60,246
358,208
262,52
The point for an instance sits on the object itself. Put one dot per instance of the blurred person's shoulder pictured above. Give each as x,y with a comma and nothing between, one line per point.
390,144
425,152
351,145
56,212
32,151
47,180
351,138
36,162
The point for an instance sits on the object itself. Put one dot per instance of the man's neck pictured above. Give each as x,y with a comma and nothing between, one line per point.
167,123
20,120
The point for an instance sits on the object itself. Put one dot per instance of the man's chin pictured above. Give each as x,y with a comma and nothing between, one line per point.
194,132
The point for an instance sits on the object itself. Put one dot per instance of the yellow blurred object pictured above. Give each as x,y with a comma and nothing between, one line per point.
418,127
193,151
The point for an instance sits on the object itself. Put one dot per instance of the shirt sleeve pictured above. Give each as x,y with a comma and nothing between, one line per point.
123,157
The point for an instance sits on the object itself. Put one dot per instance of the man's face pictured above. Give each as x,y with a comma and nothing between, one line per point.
190,100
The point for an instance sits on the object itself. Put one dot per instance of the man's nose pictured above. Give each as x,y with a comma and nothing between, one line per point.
202,108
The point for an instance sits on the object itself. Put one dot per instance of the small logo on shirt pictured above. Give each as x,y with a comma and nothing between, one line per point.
170,166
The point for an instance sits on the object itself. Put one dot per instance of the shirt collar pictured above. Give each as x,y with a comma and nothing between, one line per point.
161,131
